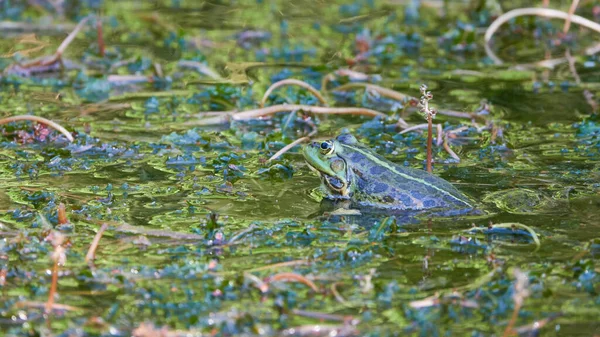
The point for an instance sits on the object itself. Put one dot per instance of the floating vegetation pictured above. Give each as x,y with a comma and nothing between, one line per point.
151,183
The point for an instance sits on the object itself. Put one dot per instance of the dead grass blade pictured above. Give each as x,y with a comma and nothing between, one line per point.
291,81
41,120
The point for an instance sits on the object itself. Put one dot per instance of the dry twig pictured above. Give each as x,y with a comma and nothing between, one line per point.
385,92
521,292
91,254
286,277
572,9
271,110
59,258
39,120
291,81
544,12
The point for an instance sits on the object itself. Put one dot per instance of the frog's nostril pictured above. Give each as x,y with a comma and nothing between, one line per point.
315,144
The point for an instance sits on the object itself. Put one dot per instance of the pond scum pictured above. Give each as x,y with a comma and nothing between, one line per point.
152,184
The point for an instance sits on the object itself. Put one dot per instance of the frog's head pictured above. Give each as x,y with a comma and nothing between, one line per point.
325,158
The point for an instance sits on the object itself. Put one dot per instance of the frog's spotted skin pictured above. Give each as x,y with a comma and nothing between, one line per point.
349,170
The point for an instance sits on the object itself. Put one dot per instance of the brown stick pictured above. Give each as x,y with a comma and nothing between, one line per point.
281,265
91,254
45,61
62,214
294,277
572,9
459,114
100,34
63,46
353,75
55,306
291,81
252,114
449,149
429,142
336,293
385,92
53,285
572,68
513,319
544,12
288,147
323,316
39,120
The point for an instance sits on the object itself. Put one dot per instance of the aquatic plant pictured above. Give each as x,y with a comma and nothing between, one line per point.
429,113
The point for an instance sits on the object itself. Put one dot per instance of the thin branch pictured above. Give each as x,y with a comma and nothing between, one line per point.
8,27
532,329
429,142
271,110
385,92
258,283
520,293
40,120
440,135
440,131
414,128
449,150
100,34
291,81
91,254
62,214
63,46
201,68
53,286
58,257
296,142
323,316
240,234
55,306
351,74
288,147
336,293
281,265
572,9
544,12
468,115
286,277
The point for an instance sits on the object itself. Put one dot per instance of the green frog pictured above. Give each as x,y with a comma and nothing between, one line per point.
351,171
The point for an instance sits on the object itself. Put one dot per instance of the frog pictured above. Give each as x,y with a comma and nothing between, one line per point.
351,171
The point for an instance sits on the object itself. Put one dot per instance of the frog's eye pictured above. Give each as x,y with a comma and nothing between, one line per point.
326,147
337,165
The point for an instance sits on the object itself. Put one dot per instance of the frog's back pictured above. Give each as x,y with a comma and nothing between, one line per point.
393,186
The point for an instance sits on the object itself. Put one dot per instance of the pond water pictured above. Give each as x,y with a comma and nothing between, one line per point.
206,236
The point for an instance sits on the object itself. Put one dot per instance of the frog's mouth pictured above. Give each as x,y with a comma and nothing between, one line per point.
333,183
